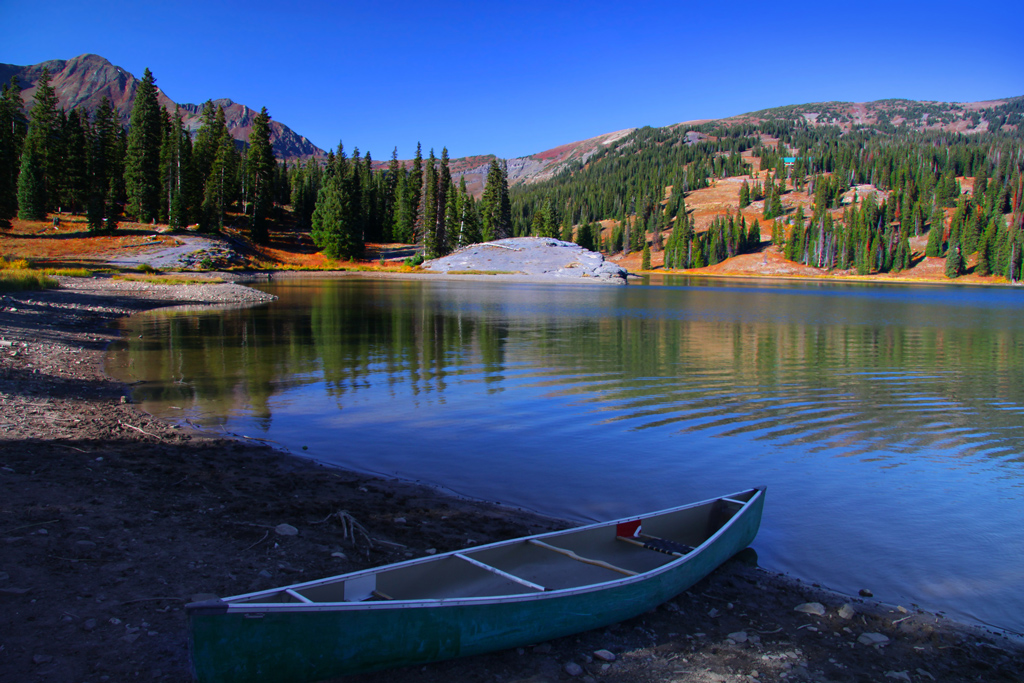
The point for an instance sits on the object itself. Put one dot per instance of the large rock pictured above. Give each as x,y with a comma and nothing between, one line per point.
536,257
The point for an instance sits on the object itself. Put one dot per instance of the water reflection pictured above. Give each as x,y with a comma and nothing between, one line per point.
590,402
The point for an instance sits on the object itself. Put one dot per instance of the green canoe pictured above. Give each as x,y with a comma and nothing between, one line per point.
481,599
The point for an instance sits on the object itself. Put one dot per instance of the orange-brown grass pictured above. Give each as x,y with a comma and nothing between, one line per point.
71,243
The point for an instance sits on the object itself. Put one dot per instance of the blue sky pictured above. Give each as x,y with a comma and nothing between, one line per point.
517,78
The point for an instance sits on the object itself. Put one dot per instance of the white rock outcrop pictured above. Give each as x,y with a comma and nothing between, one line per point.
537,257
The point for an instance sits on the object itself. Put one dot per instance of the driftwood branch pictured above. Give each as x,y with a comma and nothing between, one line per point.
141,431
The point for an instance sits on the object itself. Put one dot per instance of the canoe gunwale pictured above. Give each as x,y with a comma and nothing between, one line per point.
235,604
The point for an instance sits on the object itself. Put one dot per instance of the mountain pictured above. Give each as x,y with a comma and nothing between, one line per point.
528,169
83,82
888,115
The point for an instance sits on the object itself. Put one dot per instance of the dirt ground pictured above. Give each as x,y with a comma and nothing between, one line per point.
110,521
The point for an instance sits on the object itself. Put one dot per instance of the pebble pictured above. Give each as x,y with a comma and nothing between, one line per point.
738,637
340,556
811,608
872,639
898,675
286,530
88,624
41,659
865,593
604,655
265,574
543,648
847,611
573,669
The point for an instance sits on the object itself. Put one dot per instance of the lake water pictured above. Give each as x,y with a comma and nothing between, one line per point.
886,421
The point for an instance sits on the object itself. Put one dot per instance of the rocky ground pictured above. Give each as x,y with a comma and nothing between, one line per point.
110,521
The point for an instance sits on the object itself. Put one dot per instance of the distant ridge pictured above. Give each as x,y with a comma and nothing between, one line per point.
83,82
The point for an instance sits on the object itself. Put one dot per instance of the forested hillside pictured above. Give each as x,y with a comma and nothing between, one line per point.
836,197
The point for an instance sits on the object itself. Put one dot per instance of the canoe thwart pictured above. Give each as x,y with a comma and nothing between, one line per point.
506,575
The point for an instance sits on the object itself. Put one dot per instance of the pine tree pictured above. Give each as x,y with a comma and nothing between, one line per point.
444,183
142,160
954,259
31,183
744,195
260,167
452,220
416,195
754,236
75,178
404,217
12,135
645,259
936,243
495,205
335,222
106,164
428,210
391,197
221,186
38,190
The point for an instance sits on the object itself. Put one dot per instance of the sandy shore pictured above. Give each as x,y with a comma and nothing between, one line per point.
110,521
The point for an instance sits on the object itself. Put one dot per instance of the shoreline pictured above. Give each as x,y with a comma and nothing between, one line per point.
113,520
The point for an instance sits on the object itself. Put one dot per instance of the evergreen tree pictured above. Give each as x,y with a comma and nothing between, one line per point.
142,160
469,217
495,207
428,211
335,221
744,195
260,167
405,219
416,195
645,259
31,183
936,243
204,146
12,135
754,236
178,174
391,197
106,164
444,183
954,259
984,265
452,217
39,189
75,178
221,186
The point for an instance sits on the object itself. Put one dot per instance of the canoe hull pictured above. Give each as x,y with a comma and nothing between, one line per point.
328,641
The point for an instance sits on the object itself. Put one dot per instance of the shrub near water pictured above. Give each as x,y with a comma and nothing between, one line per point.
16,277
